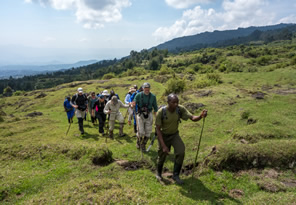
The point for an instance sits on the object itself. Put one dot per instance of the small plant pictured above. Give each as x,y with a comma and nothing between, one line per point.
245,115
175,85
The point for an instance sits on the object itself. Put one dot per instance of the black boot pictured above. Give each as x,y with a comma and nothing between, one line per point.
159,171
135,128
80,123
177,170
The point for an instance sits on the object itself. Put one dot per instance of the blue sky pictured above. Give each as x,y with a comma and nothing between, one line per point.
43,31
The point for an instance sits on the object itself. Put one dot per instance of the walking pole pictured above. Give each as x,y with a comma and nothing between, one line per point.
126,114
68,128
203,123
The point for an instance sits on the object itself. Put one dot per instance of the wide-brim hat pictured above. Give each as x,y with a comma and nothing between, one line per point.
105,92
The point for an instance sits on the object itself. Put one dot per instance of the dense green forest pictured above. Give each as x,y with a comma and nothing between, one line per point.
138,62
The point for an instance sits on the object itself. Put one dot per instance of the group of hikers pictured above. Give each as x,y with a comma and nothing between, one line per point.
142,106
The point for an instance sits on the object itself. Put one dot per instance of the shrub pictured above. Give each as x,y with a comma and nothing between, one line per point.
18,93
108,76
263,60
214,77
293,61
245,115
202,83
175,85
165,70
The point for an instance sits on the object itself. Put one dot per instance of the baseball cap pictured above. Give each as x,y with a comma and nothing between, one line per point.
80,90
146,85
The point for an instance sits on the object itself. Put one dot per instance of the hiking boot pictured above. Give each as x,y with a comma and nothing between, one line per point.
138,143
158,172
121,130
176,173
177,179
111,134
143,148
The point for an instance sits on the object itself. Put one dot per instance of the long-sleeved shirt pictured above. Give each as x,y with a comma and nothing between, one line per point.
127,98
142,99
114,108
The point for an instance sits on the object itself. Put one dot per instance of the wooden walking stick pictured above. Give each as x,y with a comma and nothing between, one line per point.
203,123
68,128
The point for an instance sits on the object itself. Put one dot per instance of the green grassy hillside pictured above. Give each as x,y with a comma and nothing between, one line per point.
247,153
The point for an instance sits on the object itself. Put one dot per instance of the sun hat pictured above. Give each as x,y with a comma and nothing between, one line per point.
105,92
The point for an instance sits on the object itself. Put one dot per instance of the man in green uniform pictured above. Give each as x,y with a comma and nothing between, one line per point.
167,121
145,102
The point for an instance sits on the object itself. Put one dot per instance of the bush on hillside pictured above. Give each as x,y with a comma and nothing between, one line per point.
136,71
108,76
18,93
165,70
208,80
175,85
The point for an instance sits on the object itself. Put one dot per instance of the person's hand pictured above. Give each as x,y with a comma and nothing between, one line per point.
109,111
93,113
133,104
75,106
204,113
165,149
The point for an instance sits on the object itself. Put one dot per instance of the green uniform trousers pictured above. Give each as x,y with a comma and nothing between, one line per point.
178,145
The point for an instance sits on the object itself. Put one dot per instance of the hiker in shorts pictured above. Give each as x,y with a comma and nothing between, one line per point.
69,109
127,102
79,102
145,102
92,98
98,112
112,108
167,122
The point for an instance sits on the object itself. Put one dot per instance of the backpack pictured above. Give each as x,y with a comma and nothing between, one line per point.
81,107
76,96
164,116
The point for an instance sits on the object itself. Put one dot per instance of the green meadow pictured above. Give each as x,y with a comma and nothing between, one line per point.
247,152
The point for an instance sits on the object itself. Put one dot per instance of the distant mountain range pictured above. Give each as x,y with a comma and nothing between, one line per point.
17,71
213,39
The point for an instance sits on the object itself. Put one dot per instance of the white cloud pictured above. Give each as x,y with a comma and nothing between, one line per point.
91,13
234,14
288,19
185,3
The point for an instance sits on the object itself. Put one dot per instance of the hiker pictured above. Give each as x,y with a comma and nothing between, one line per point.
92,98
79,101
98,112
145,102
167,122
112,108
127,102
69,109
112,93
135,107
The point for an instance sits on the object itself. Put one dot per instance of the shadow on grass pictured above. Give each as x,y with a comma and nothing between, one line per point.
88,136
197,191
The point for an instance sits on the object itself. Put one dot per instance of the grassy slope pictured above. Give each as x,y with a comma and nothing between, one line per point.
39,164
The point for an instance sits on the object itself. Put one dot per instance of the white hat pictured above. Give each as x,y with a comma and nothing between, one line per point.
80,90
105,92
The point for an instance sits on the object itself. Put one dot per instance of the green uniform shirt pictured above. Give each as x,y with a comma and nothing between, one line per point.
170,124
151,105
